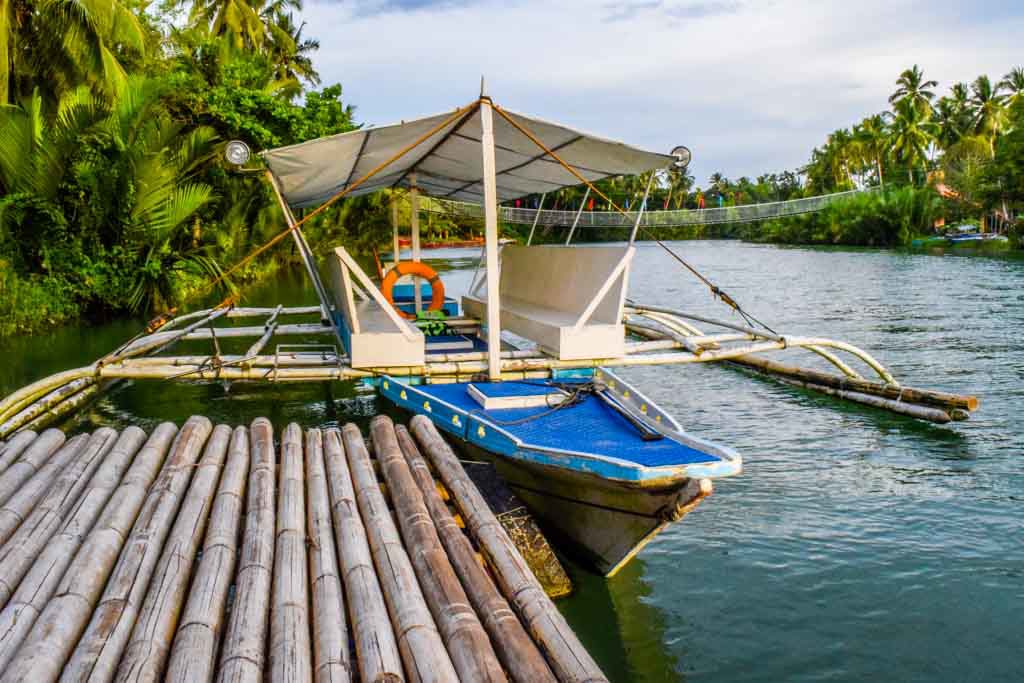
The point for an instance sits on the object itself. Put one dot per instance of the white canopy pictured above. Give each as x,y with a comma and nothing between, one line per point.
448,163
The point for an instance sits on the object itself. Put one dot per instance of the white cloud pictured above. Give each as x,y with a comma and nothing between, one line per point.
750,86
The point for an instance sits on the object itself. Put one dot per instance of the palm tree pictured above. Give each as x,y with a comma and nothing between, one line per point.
873,136
1013,83
290,52
60,44
913,132
911,86
990,114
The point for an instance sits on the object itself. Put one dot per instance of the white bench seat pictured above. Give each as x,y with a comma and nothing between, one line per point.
545,291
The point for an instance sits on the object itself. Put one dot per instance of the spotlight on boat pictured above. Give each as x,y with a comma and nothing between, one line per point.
682,155
237,153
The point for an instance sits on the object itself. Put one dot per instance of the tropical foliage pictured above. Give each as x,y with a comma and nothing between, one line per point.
113,195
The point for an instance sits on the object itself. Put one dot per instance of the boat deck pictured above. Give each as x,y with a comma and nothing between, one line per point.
595,436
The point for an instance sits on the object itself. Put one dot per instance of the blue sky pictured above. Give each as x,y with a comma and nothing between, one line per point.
749,86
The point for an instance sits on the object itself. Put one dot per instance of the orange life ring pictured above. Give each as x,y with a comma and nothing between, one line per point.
419,269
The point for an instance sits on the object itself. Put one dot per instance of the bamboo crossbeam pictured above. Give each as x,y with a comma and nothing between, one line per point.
419,641
45,403
518,653
194,652
11,450
330,633
471,653
146,652
43,519
102,644
31,392
37,583
243,653
262,341
22,502
61,623
290,647
375,645
65,407
567,656
29,463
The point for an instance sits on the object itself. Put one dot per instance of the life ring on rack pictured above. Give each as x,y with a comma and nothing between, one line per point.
419,269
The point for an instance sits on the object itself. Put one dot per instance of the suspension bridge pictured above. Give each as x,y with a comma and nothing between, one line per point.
747,213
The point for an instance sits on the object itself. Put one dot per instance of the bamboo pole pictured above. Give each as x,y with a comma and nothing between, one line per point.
903,394
45,403
194,653
48,561
29,463
419,642
330,634
243,652
290,648
57,630
150,640
17,555
471,653
28,495
31,392
566,654
517,651
73,402
375,645
10,451
102,644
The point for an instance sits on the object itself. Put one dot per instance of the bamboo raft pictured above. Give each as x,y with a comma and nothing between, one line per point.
207,553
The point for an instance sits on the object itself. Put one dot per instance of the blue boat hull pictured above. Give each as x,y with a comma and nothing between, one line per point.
601,507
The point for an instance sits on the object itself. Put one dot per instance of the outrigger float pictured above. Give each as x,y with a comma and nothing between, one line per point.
521,371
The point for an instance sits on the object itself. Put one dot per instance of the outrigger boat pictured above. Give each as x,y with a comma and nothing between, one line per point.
518,372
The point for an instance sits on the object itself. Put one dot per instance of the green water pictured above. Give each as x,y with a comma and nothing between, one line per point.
855,545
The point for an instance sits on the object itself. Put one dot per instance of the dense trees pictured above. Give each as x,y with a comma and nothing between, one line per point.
113,197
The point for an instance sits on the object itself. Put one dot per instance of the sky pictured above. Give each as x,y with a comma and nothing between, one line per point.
749,86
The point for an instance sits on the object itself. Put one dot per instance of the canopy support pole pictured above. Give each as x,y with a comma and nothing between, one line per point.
396,248
491,241
414,223
576,220
536,218
303,246
640,212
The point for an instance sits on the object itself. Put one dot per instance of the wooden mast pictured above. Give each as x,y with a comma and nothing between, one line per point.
414,225
491,240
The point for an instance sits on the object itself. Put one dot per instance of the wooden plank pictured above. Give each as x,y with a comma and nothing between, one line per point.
566,654
290,652
56,631
194,653
419,642
375,644
330,634
28,495
28,541
37,581
471,652
516,650
243,654
146,653
31,459
100,648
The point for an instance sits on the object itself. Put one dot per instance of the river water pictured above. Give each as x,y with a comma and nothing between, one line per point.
856,544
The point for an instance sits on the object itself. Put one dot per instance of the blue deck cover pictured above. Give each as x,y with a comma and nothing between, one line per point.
589,427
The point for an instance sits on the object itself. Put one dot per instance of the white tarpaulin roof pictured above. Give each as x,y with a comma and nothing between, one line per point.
449,162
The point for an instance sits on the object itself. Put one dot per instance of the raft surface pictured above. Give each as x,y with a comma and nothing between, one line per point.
208,553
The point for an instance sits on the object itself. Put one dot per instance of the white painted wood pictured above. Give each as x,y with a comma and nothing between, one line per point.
576,220
396,248
540,399
536,217
491,240
603,291
414,225
407,330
